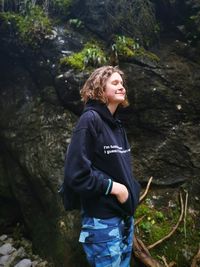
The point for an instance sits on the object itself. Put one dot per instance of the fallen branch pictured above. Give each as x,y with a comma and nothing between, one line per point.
142,253
174,228
196,259
185,214
165,261
171,264
147,189
139,220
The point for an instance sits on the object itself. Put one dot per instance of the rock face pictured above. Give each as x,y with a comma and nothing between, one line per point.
165,111
106,18
38,101
33,147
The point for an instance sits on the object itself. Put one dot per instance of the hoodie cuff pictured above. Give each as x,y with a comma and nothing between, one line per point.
109,187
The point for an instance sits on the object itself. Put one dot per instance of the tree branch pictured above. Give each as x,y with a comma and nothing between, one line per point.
147,189
196,259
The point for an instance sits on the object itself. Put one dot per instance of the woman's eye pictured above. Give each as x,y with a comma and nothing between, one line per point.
115,83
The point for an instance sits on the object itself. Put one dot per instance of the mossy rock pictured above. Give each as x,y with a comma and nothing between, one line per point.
92,55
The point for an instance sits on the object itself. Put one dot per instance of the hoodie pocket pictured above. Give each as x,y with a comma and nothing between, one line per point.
127,205
132,202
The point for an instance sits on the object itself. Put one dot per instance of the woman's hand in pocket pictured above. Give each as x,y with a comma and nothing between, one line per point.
120,191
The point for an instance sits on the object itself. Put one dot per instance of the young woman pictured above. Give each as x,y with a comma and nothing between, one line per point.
98,168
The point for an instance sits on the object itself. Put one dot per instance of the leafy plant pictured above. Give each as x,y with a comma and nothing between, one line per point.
126,47
193,28
146,226
76,23
92,55
31,28
159,215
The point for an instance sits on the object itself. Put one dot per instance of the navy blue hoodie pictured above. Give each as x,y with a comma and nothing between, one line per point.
98,153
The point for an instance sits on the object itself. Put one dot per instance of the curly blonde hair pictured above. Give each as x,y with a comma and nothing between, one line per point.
94,87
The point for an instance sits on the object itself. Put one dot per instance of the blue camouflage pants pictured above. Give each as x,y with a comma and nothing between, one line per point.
107,242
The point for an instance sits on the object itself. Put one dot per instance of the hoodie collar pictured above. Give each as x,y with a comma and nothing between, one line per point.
103,111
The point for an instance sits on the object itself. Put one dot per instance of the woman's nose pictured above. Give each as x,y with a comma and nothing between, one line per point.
122,89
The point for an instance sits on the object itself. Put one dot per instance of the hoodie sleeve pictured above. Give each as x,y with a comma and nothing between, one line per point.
80,174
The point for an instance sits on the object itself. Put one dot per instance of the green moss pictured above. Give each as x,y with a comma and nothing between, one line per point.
30,28
126,48
76,24
158,231
76,61
92,55
193,28
147,54
143,209
155,224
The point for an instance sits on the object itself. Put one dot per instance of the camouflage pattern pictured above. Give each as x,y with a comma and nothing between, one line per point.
107,242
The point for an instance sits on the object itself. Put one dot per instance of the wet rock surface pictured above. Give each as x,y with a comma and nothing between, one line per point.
19,254
123,17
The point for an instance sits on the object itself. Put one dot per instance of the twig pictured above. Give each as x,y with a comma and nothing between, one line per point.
165,261
196,259
185,214
139,220
174,228
173,263
147,189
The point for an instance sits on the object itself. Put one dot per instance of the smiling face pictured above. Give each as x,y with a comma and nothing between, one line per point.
114,91
105,84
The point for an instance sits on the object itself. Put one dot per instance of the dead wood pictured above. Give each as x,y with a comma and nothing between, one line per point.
185,214
165,261
171,264
142,253
196,260
147,189
139,220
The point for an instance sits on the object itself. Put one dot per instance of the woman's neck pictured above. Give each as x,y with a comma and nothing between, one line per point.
112,108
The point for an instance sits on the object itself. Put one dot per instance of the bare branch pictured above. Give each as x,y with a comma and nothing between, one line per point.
196,259
185,214
139,220
172,264
165,261
147,189
142,253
